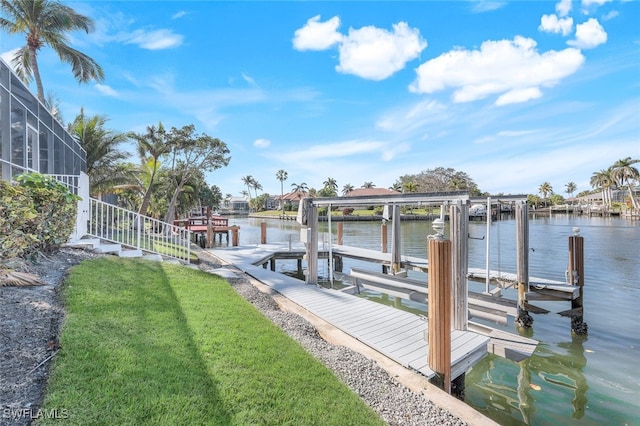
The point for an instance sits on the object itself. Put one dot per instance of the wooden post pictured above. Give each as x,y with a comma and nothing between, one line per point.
383,234
340,232
234,235
523,318
439,311
576,277
459,225
272,263
210,235
263,232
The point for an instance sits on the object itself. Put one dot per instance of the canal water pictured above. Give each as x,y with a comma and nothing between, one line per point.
569,380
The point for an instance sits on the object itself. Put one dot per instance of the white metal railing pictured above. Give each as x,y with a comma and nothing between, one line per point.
118,225
71,181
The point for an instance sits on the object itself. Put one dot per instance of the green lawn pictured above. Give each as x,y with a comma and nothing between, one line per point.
151,343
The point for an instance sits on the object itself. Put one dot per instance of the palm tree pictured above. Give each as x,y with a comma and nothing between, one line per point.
347,188
248,180
410,187
256,186
397,186
545,189
368,185
151,147
331,186
46,22
282,175
623,171
101,145
570,188
602,180
300,189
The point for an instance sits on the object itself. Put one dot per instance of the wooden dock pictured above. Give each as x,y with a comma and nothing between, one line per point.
397,334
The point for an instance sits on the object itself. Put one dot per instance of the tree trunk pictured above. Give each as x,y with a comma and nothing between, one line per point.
36,74
171,211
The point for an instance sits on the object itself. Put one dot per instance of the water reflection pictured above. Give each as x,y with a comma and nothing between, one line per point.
547,379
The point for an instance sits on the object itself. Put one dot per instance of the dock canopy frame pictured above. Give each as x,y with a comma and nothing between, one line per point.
308,217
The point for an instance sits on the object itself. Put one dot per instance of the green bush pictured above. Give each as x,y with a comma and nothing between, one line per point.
37,213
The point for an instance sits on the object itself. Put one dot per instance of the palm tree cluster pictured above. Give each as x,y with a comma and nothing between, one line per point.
621,173
251,183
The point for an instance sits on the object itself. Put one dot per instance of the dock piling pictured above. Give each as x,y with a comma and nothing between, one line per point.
523,318
439,311
459,231
340,232
263,232
576,277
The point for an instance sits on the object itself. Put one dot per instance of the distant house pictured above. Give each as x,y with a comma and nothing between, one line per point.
236,205
290,199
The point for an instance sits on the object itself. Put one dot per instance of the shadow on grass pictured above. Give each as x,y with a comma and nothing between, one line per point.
128,355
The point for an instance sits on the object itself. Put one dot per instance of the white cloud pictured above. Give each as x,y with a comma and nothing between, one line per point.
262,143
316,35
513,69
481,6
376,54
106,90
563,7
179,14
609,16
589,35
154,40
249,80
587,3
551,24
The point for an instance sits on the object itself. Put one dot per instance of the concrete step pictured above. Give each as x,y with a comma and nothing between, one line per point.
130,253
108,248
84,242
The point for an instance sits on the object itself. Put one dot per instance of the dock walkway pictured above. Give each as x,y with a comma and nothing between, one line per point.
396,334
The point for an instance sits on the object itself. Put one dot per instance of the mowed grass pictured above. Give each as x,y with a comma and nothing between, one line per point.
152,343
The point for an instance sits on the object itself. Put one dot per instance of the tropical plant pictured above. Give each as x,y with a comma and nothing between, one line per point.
103,155
330,187
410,187
397,186
46,22
193,154
368,185
347,188
248,180
570,188
545,189
300,189
152,146
603,181
623,172
282,175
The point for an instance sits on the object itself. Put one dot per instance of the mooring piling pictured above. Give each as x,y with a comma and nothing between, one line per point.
439,311
576,277
523,318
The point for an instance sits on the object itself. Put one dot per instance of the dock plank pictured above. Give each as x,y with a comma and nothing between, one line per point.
397,334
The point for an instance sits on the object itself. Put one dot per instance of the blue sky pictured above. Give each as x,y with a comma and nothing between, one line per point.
512,93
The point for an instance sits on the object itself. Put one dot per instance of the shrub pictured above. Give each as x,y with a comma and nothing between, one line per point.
36,214
347,211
